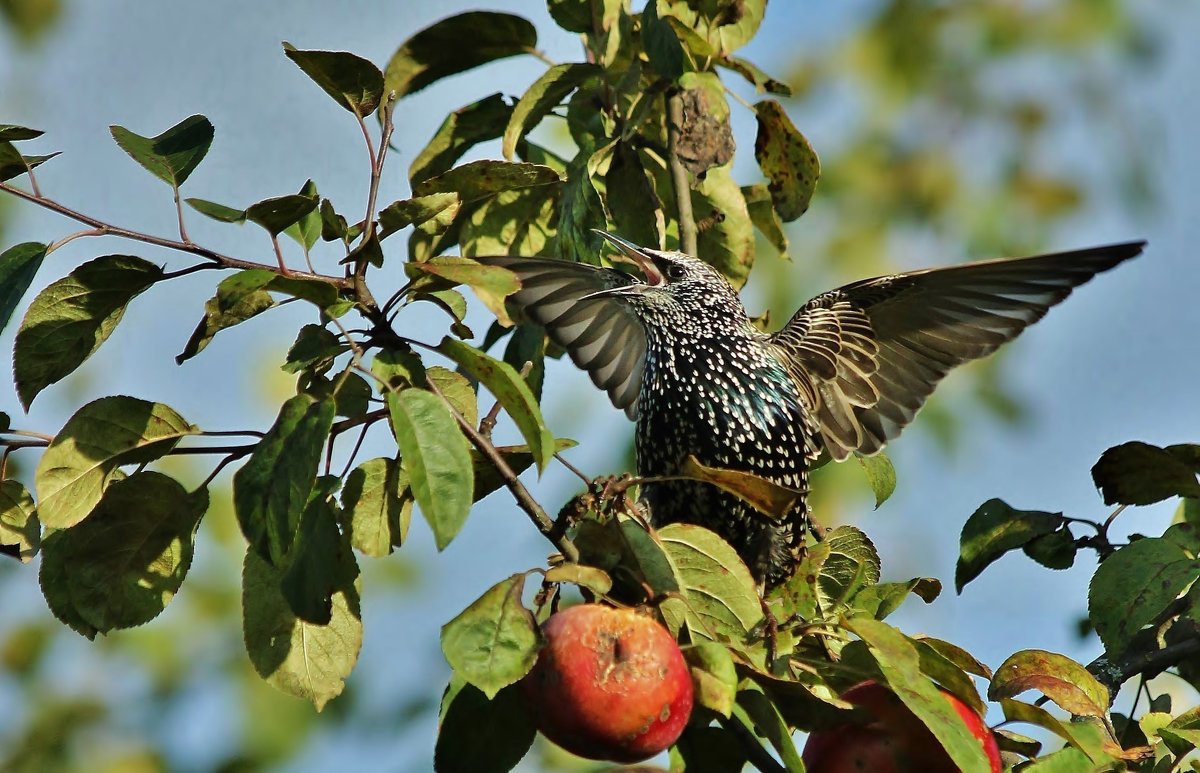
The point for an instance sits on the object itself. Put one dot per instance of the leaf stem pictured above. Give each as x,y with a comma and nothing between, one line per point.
756,755
106,229
679,175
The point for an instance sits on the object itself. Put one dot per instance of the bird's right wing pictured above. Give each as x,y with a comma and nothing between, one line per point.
868,354
601,335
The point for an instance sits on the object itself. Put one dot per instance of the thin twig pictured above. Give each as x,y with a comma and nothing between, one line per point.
578,473
679,175
106,229
183,234
72,237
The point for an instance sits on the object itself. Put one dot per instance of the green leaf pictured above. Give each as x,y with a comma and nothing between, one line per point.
307,230
580,214
519,222
722,602
900,664
302,659
752,73
276,214
769,498
995,529
436,455
1018,711
518,459
1055,550
456,44
378,506
543,96
765,218
956,655
321,562
55,588
354,83
852,564
315,349
714,676
272,489
13,164
884,598
72,317
881,475
123,565
724,26
636,211
439,207
661,45
787,159
728,244
594,579
571,15
84,457
1138,473
480,179
333,226
492,284
218,212
18,266
462,130
481,735
756,711
493,642
239,297
13,133
457,390
1059,678
507,386
1134,585
173,155
949,675
20,531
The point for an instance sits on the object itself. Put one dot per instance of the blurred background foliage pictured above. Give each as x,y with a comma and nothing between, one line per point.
935,141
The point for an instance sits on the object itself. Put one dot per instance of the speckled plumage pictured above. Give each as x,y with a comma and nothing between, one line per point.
852,367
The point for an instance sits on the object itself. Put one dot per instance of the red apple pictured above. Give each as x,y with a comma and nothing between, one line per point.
894,741
609,684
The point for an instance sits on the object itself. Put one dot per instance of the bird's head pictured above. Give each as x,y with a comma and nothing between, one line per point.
673,286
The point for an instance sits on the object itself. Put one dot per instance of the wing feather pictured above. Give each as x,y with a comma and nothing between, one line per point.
869,354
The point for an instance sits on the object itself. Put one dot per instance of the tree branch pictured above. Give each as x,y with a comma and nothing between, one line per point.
679,175
105,229
1148,663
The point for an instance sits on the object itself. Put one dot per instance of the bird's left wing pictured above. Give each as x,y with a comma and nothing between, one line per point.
601,335
868,354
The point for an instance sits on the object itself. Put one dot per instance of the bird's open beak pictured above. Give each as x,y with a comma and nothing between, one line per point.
637,256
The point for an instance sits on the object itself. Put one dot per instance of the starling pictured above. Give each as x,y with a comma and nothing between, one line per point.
676,350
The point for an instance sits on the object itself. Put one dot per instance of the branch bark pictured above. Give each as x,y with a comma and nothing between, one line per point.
679,175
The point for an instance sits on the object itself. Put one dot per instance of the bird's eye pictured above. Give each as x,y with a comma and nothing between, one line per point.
675,272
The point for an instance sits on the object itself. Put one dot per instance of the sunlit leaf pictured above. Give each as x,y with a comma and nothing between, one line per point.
714,676
507,386
239,297
900,664
594,579
455,44
493,642
722,602
543,96
852,564
479,179
84,457
354,83
72,317
1059,678
378,506
437,459
492,284
218,212
307,230
765,218
173,155
751,72
769,498
302,659
271,490
439,207
518,222
728,243
20,531
462,130
123,565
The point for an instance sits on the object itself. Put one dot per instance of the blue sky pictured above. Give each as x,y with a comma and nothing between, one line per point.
1117,362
